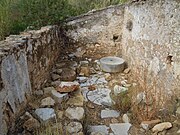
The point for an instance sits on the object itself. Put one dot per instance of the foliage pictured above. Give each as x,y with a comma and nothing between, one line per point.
17,15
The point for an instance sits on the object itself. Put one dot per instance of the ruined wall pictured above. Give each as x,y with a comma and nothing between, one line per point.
148,37
25,61
102,27
151,40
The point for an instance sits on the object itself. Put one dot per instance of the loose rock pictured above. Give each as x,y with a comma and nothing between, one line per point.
55,83
74,127
67,74
101,96
31,124
109,113
68,86
149,124
162,126
47,102
76,113
48,90
118,89
127,70
103,129
55,77
76,100
84,71
120,128
45,113
58,96
125,118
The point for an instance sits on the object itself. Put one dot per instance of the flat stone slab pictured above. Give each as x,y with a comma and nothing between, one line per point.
45,113
100,96
95,79
120,128
76,113
99,129
109,113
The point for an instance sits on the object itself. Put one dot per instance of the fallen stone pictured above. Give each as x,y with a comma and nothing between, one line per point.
76,100
140,98
94,80
178,132
48,90
125,118
47,102
118,89
76,113
85,90
161,126
84,63
38,93
146,125
82,79
55,77
68,86
67,74
58,71
120,128
101,96
107,76
58,96
84,71
74,127
103,129
127,70
45,113
109,113
31,124
55,83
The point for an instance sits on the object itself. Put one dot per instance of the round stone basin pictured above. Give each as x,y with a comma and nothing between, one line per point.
112,64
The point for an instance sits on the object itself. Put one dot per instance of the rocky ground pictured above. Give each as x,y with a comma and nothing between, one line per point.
77,100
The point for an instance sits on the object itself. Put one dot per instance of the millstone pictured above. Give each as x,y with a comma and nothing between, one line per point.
112,64
67,74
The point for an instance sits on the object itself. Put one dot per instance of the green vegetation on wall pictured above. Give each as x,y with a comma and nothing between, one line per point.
17,15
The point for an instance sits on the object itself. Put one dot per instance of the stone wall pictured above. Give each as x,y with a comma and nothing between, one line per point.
25,61
146,34
151,40
102,27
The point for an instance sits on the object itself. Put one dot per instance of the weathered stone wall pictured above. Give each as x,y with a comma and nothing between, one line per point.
102,27
25,61
151,40
145,33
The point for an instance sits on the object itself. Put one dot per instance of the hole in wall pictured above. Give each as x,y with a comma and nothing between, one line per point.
169,59
115,37
129,25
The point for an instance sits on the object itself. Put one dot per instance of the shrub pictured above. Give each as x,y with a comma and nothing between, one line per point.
17,15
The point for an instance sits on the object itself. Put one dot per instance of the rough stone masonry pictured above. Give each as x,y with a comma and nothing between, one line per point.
146,34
